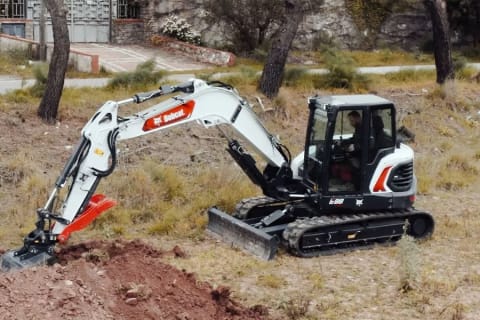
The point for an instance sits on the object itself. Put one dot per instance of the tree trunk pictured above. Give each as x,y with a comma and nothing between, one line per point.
476,35
48,107
441,39
273,69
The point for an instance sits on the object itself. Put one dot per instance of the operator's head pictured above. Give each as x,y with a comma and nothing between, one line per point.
354,118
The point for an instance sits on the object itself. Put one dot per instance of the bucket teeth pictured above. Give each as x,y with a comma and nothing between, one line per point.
242,235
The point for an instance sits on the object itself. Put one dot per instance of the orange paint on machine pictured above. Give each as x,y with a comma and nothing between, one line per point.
181,112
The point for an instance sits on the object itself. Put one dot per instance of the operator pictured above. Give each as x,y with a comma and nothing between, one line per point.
348,170
352,145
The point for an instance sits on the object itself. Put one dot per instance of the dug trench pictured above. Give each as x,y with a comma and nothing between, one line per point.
116,280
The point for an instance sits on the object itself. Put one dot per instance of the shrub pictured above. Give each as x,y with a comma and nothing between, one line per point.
179,29
143,75
410,263
293,76
342,73
40,72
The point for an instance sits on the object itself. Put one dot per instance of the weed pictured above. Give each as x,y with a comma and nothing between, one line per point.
271,281
409,255
245,76
295,308
342,73
40,72
410,75
15,62
317,280
292,76
454,311
143,75
477,155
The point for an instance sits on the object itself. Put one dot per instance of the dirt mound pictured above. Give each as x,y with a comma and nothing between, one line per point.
115,280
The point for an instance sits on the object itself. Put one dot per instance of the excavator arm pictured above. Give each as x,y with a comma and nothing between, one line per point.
95,158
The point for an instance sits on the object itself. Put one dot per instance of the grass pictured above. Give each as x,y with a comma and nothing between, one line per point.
164,197
15,62
372,58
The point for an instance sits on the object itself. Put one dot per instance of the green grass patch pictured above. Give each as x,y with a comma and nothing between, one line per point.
143,75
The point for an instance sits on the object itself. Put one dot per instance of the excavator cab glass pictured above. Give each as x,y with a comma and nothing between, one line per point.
316,146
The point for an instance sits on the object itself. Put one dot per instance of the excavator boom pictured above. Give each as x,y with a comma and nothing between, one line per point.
209,104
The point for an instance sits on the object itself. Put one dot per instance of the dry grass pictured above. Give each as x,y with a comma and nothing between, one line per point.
164,185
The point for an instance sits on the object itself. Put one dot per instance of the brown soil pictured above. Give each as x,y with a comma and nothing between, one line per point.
115,280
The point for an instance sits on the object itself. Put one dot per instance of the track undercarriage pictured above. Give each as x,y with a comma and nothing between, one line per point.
261,224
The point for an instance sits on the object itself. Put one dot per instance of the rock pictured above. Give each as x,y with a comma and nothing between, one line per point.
131,301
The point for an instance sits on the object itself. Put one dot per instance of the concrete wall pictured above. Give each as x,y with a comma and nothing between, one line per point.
80,61
14,43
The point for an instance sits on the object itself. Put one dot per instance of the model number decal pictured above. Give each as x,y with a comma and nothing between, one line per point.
336,202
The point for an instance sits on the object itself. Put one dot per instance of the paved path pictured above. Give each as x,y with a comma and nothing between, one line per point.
115,58
8,83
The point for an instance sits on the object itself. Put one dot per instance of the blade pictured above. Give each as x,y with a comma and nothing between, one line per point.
242,235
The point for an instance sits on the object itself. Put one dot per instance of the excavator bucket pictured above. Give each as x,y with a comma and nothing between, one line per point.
10,260
242,235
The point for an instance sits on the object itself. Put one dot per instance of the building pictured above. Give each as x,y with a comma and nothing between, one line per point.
117,21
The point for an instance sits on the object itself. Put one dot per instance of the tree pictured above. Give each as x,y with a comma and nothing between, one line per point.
48,107
441,39
464,17
247,22
273,69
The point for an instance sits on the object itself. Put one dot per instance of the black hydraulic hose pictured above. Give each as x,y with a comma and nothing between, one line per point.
112,137
220,84
285,153
73,161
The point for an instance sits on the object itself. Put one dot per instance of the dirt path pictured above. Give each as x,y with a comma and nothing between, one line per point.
115,280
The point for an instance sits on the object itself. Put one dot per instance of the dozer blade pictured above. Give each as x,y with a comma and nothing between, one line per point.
242,235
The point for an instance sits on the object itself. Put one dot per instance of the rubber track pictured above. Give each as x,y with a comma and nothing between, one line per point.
246,205
295,230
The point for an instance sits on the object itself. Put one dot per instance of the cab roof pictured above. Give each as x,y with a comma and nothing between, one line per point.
350,100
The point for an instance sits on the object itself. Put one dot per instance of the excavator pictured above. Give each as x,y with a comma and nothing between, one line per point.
352,186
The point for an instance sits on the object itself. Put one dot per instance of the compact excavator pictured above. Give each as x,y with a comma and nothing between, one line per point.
353,185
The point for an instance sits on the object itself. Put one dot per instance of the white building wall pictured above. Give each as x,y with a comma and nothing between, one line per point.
88,20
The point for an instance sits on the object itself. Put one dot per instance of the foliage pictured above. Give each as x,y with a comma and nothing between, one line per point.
369,16
410,264
40,72
342,73
179,29
294,76
12,57
248,22
143,75
464,17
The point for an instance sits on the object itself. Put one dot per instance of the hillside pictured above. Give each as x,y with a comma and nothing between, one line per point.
435,279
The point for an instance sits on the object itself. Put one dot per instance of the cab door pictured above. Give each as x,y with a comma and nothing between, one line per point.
345,171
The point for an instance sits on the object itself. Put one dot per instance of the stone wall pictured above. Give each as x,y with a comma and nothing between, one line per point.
198,53
128,31
331,22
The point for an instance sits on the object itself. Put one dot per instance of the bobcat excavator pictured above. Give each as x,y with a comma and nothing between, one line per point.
350,186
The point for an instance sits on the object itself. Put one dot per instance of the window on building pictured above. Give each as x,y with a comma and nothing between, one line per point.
12,9
128,9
